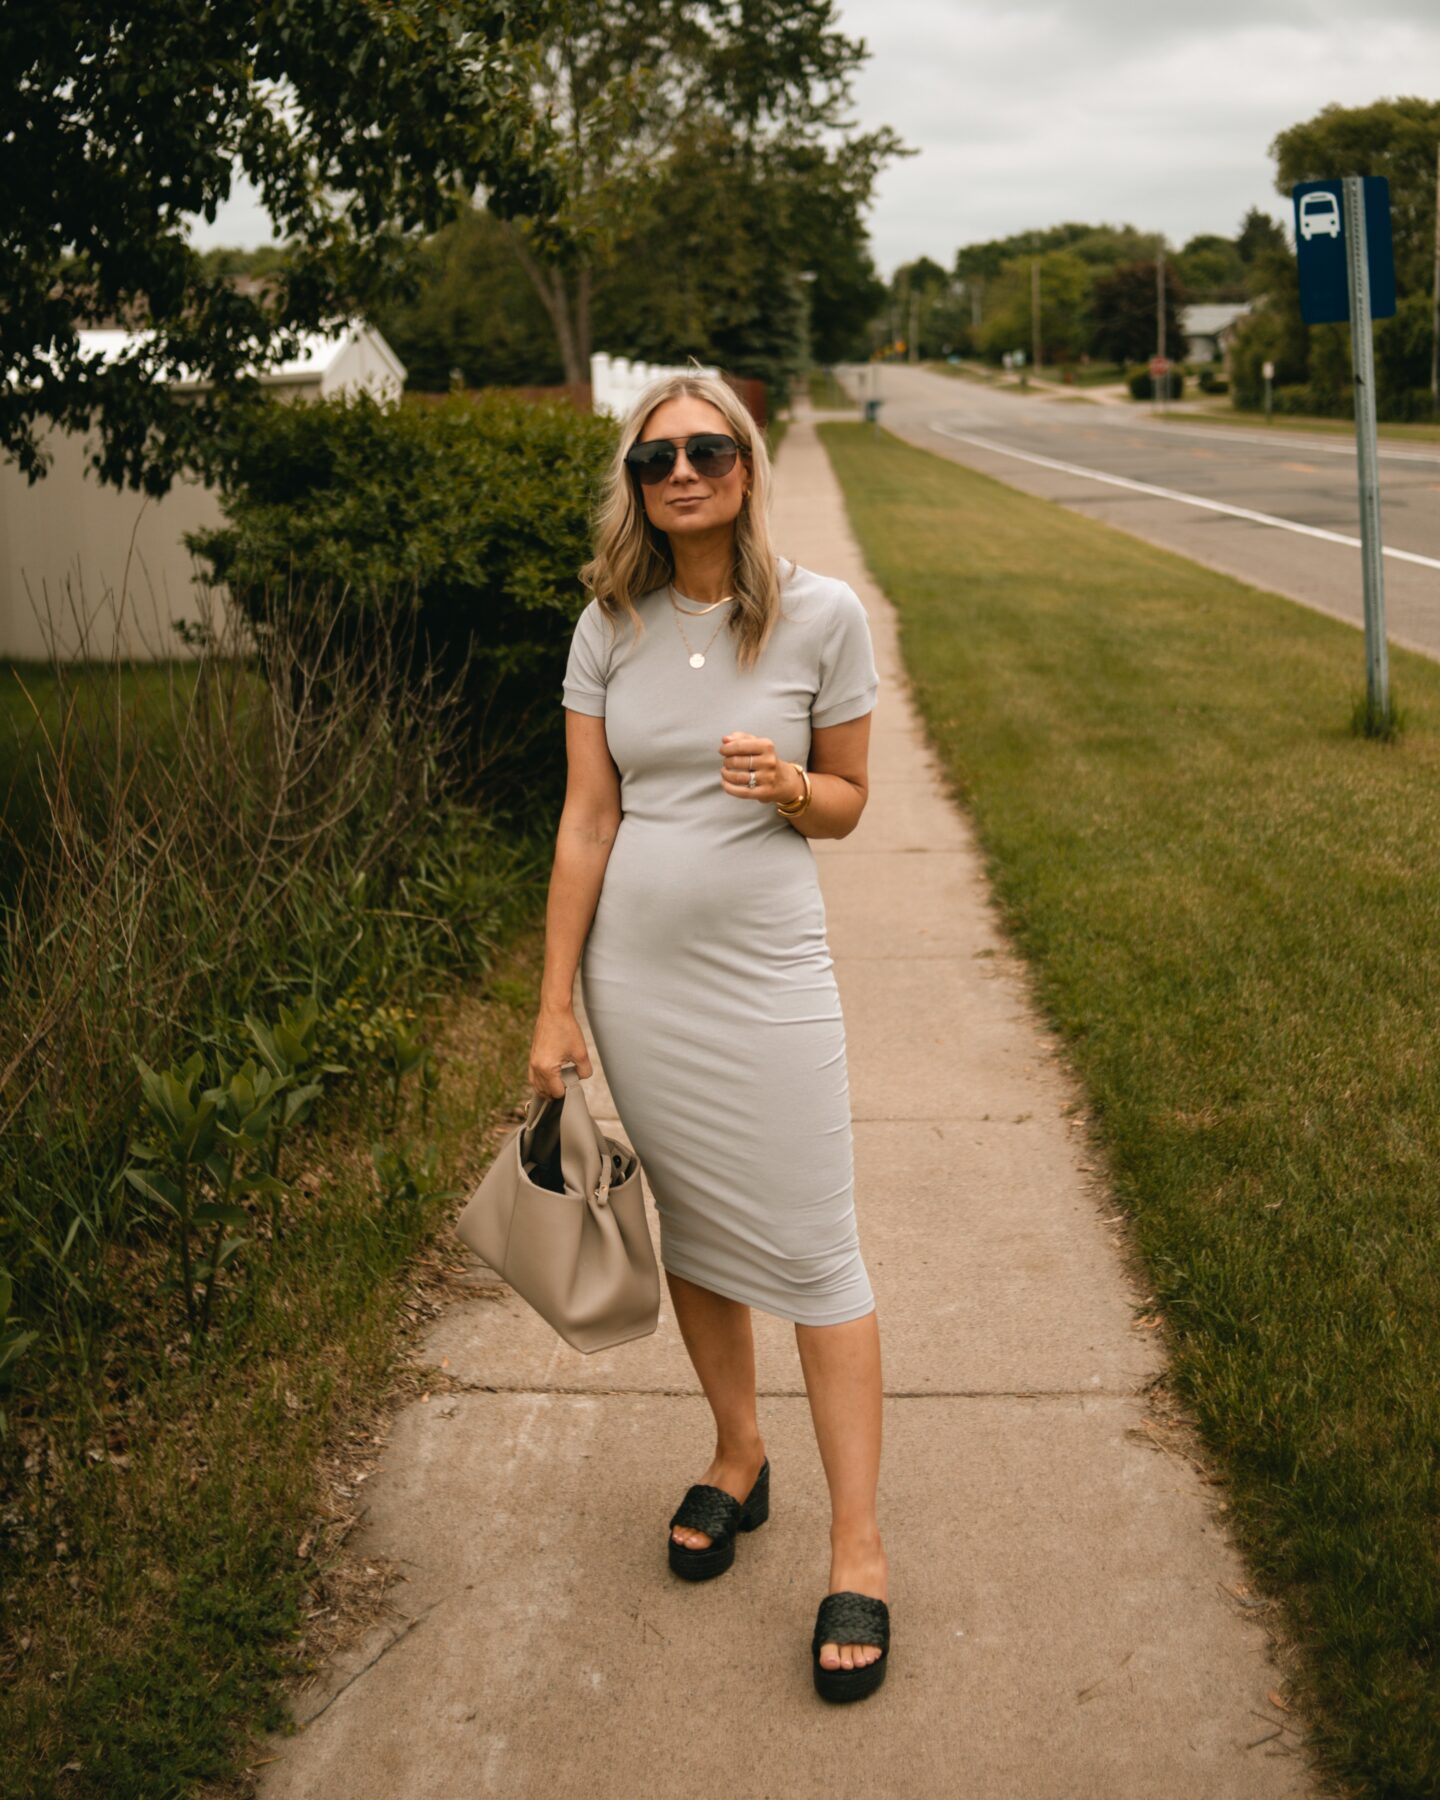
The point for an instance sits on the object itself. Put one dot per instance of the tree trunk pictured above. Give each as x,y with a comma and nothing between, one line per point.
572,328
582,321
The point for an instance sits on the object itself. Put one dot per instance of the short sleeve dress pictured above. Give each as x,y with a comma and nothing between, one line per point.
706,974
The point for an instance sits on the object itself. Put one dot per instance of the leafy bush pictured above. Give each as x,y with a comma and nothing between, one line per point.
1142,386
475,511
1211,382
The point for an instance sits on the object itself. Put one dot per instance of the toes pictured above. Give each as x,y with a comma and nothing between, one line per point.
829,1656
691,1539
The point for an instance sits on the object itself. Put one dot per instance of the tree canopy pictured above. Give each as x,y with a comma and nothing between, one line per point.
639,93
1394,138
356,123
1125,307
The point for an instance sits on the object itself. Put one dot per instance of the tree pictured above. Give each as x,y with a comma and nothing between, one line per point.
1211,268
629,83
355,122
1125,307
978,267
1394,138
712,265
919,300
1259,235
473,310
1064,308
709,266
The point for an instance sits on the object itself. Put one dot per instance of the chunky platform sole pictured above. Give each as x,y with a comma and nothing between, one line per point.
850,1618
720,1516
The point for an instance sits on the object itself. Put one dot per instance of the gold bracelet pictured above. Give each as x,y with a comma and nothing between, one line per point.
792,809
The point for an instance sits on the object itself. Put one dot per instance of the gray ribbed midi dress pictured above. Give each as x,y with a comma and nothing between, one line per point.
706,973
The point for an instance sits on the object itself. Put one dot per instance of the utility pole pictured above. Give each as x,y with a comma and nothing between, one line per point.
1160,384
1435,305
1035,315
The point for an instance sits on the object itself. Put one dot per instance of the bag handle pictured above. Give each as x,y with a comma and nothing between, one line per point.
570,1075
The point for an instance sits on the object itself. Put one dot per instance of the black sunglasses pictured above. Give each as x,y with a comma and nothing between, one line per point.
710,453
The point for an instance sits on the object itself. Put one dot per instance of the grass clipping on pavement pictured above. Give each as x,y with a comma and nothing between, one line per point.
1231,905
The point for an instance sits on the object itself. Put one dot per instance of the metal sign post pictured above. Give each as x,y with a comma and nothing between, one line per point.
1362,351
1346,263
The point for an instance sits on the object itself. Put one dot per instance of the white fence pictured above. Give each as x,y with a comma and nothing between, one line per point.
616,382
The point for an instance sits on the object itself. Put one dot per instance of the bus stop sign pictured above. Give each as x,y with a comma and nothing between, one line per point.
1320,250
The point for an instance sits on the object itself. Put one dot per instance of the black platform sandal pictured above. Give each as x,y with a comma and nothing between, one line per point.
850,1618
719,1515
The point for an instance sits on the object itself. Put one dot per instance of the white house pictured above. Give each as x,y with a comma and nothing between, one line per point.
101,571
1207,327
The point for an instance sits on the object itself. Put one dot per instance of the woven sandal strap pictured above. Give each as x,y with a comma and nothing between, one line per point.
708,1509
850,1618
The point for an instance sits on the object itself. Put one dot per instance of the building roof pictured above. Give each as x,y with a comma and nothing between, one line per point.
318,350
1210,317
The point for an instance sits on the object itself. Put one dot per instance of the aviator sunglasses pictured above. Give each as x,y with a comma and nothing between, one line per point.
711,453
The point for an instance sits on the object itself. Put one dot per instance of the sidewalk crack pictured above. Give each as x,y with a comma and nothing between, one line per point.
365,1669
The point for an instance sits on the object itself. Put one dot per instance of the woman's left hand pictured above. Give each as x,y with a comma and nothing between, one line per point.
775,779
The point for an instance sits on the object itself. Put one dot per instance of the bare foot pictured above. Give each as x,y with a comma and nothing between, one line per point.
735,1472
857,1563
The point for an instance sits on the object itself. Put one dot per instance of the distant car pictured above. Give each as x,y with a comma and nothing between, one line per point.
1319,216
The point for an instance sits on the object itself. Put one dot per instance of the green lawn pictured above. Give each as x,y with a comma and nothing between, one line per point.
1232,907
1222,413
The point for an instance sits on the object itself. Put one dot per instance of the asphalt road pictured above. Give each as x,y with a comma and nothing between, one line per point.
1279,509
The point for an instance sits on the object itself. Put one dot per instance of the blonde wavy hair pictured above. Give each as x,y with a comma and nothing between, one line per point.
632,557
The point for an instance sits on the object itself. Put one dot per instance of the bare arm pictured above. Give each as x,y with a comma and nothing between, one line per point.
839,783
589,820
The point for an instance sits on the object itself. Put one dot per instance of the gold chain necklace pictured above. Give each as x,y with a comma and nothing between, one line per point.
697,657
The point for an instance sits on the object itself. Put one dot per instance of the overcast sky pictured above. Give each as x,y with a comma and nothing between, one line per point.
1032,112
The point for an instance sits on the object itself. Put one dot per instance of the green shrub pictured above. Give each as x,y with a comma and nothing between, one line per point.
475,512
1212,382
1142,386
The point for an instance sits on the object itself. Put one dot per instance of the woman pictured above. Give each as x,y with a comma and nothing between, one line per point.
702,676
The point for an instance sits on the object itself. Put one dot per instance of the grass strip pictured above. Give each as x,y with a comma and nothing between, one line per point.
1222,413
1232,908
202,1560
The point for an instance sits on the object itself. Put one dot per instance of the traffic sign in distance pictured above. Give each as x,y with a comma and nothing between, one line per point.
1159,365
1320,250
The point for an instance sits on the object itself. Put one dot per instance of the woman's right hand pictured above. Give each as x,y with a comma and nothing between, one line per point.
558,1039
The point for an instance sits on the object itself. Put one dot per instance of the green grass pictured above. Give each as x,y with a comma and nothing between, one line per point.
30,717
170,1568
1232,908
1222,413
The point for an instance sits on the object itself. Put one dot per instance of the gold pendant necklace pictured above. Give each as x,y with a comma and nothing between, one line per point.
697,657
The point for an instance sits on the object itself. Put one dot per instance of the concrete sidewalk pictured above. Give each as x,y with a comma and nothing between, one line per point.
1070,1621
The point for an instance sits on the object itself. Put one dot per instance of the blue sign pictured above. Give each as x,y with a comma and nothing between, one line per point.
1320,249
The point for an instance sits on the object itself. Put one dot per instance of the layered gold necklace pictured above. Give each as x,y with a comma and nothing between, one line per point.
697,657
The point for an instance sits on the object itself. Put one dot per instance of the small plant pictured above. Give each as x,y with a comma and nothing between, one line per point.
14,1342
288,1054
407,1186
212,1148
403,1052
183,1153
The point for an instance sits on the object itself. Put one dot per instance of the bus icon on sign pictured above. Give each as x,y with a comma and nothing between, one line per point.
1319,216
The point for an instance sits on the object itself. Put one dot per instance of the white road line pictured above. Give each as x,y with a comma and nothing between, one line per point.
1164,493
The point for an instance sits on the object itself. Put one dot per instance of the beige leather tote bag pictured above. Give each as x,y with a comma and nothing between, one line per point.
560,1215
